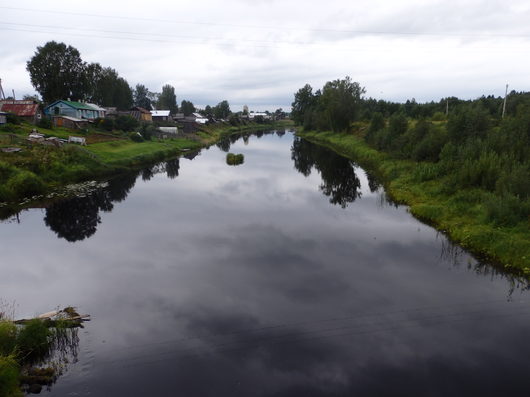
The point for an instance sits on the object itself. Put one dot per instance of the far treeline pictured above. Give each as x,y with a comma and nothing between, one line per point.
472,154
57,71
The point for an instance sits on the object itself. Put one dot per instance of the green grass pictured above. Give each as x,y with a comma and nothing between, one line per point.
461,215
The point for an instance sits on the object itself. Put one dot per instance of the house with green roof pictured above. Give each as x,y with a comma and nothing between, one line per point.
78,110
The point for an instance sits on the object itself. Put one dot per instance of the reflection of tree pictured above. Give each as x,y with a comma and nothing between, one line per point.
172,168
280,133
148,173
77,218
339,180
224,145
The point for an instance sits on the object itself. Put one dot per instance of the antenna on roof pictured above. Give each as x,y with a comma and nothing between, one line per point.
14,98
2,95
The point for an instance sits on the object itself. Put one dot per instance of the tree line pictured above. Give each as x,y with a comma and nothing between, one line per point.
57,71
476,155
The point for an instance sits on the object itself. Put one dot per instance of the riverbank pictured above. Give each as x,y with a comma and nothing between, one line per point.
36,169
461,215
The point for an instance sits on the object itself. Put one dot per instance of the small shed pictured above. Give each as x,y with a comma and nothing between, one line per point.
69,122
168,132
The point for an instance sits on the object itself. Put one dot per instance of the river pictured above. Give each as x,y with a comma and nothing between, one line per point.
291,274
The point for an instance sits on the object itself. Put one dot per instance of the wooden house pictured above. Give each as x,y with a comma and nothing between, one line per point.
78,110
141,114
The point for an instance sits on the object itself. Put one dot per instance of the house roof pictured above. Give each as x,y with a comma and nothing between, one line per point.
22,110
160,113
96,107
70,118
73,104
141,110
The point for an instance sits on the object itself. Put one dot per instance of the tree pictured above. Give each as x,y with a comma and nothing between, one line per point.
57,72
168,99
304,100
108,88
341,101
141,97
222,110
187,107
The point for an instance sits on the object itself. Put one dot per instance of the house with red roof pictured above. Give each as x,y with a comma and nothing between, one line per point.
26,110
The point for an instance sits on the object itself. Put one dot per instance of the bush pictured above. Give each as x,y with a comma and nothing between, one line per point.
107,123
45,122
32,340
13,119
136,137
9,376
8,337
126,123
506,210
25,183
438,116
234,159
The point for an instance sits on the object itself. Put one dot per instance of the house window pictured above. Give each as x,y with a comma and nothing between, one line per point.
56,110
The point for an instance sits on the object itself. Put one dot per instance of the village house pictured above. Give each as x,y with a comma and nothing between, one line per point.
101,112
77,110
161,115
199,118
140,114
25,110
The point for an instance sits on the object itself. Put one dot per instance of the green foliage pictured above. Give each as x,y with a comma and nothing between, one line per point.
8,337
234,159
168,99
9,376
506,210
32,340
136,137
107,123
141,97
125,123
25,183
438,116
57,72
221,110
187,107
340,102
468,122
12,118
46,123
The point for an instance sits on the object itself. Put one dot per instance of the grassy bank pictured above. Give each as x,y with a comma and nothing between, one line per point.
37,169
461,215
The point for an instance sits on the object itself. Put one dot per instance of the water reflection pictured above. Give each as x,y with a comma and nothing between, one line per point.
339,180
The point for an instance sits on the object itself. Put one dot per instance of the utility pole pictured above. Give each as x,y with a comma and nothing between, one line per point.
504,105
14,95
2,95
447,107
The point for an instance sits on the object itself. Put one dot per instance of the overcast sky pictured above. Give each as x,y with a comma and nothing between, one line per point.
259,52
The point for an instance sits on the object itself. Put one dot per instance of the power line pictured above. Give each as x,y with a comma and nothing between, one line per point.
265,27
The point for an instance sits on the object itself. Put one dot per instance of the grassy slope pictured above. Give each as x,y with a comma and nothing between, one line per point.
110,154
461,219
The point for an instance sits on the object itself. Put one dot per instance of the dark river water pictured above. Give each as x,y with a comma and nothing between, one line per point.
288,275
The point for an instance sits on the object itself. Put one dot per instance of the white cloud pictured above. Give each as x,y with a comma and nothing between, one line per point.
261,52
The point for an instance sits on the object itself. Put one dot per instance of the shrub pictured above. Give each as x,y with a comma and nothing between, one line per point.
438,116
136,137
13,119
45,122
234,159
32,340
107,123
25,184
9,376
8,337
125,123
505,210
